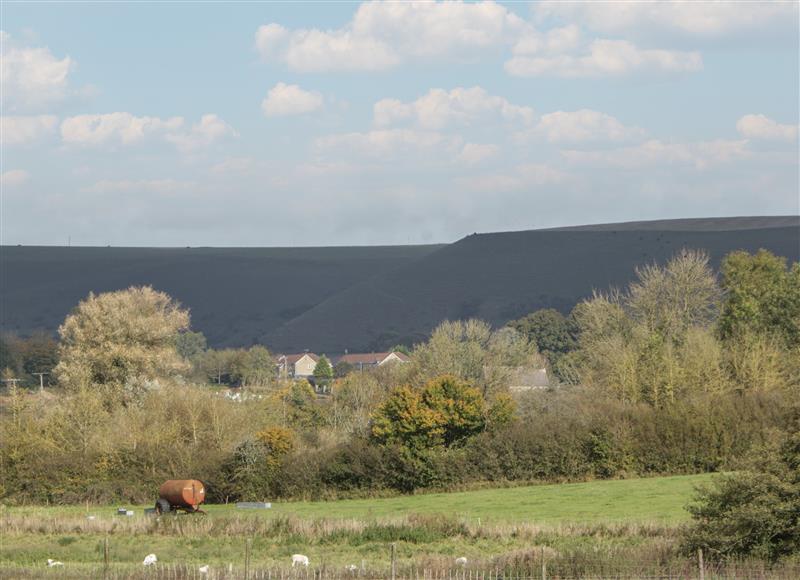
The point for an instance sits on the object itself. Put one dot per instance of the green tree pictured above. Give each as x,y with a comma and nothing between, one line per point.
191,345
549,330
323,371
445,412
121,342
259,367
341,369
755,512
762,296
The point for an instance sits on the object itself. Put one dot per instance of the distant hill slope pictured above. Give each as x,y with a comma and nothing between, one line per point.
368,298
235,294
501,276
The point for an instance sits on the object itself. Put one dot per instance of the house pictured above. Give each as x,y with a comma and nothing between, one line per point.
527,379
299,365
361,361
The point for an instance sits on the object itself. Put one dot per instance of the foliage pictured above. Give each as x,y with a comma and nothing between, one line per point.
756,512
121,343
551,332
323,371
762,296
341,369
445,412
191,345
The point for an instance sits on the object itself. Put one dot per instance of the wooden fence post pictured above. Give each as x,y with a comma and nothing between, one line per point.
247,545
544,566
700,563
394,560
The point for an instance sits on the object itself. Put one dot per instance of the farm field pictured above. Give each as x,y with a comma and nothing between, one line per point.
634,521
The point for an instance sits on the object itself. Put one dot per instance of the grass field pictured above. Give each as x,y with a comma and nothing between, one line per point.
629,519
657,499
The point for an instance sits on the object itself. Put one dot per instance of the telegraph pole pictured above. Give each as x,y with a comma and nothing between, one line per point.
41,380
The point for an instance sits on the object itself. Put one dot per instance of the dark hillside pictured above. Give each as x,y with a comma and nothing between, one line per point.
236,295
501,276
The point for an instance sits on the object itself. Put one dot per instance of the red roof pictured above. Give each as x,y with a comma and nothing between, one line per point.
293,358
371,358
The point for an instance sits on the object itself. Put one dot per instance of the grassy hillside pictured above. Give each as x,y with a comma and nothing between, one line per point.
492,528
235,294
499,277
368,298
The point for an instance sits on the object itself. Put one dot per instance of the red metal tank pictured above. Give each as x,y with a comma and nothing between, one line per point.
183,493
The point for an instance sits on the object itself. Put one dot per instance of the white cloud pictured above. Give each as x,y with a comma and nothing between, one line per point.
521,177
440,108
762,127
14,177
140,186
17,130
584,125
385,142
383,34
31,77
605,58
699,155
700,19
475,153
283,100
233,165
123,128
203,134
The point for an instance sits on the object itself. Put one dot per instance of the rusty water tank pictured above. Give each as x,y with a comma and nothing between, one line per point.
183,493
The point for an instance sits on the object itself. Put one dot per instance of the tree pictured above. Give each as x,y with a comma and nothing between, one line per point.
323,371
341,369
753,513
549,330
191,345
762,296
121,342
445,412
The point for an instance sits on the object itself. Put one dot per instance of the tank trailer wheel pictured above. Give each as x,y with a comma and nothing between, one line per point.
162,506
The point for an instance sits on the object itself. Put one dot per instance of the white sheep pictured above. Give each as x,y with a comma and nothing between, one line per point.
462,561
299,559
351,568
149,560
203,569
51,563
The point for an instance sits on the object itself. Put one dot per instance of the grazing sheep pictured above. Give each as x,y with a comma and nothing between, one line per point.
51,563
203,569
462,561
299,559
150,560
351,568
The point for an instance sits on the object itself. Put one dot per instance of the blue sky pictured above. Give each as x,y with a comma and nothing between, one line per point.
380,123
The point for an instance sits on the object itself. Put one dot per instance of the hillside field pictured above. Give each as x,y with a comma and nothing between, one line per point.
487,526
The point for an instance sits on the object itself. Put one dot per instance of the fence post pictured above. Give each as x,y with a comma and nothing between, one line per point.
248,543
394,560
544,566
700,563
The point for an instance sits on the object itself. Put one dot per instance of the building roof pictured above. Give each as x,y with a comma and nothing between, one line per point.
293,358
370,358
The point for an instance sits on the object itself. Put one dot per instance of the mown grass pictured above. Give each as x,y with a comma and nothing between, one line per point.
660,499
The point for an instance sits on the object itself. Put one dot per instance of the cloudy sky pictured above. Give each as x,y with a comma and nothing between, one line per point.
385,123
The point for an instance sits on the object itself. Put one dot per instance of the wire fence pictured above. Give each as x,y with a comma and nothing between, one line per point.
623,571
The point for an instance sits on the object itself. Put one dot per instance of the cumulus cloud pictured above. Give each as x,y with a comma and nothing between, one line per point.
605,58
385,142
14,177
475,153
17,130
122,128
384,34
209,130
699,19
762,127
699,155
283,100
583,126
440,108
31,77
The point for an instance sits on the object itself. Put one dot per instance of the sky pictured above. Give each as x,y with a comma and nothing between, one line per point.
305,124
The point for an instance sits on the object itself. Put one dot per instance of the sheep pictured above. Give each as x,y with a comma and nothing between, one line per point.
52,563
149,560
351,568
299,559
203,569
462,561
